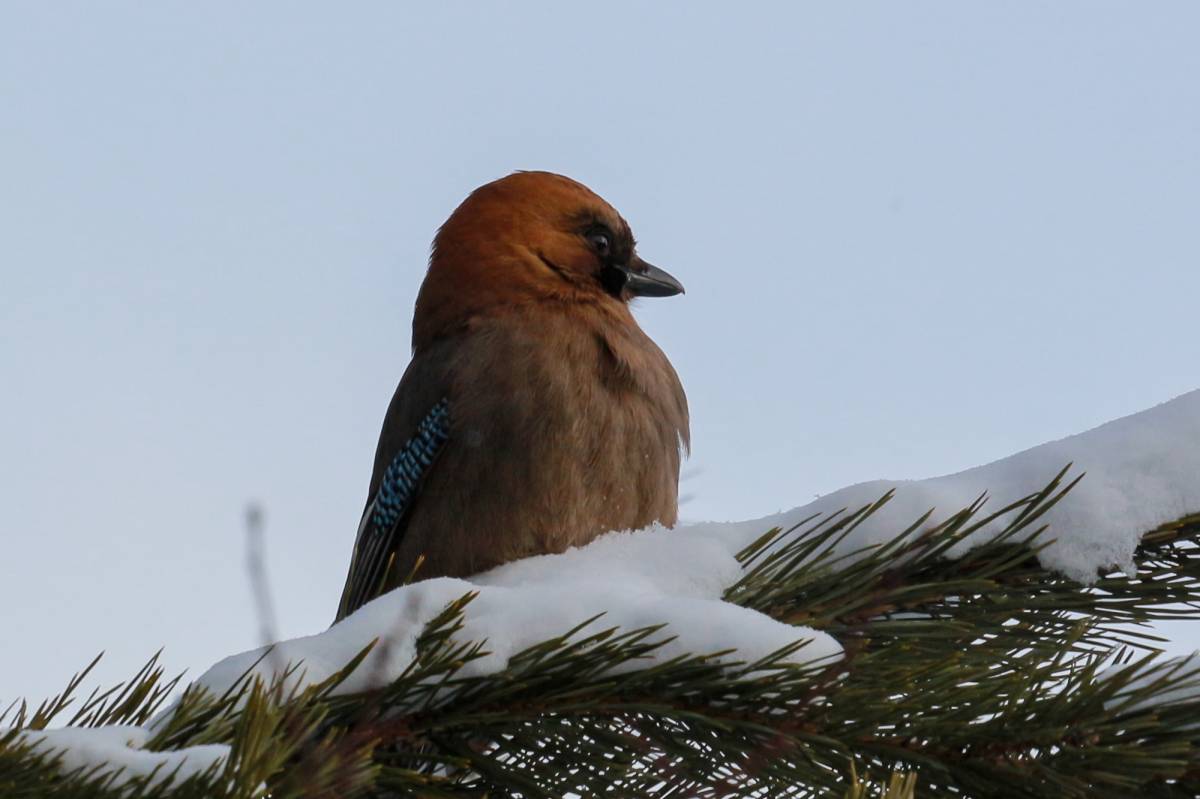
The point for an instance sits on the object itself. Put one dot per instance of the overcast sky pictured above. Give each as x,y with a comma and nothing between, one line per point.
915,236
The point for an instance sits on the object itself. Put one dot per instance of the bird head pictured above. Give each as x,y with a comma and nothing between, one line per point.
527,238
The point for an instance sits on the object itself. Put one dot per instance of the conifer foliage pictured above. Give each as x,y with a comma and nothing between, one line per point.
980,675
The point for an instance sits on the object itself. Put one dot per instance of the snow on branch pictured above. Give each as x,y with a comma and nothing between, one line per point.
1141,471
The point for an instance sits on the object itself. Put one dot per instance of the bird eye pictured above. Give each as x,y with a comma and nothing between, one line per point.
600,241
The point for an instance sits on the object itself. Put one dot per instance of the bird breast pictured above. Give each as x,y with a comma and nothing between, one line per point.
562,429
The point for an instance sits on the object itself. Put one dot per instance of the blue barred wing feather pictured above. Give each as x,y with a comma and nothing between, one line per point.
381,527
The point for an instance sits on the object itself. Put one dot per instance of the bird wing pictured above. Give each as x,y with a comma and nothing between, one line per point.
383,521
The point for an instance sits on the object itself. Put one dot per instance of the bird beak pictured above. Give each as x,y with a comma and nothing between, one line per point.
644,279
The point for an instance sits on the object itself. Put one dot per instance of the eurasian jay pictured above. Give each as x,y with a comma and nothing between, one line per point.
535,414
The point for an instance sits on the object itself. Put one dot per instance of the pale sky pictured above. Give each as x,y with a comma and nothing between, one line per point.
916,237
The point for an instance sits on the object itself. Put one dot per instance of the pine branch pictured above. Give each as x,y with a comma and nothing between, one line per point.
979,675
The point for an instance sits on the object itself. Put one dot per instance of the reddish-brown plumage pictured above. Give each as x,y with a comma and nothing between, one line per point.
567,421
495,252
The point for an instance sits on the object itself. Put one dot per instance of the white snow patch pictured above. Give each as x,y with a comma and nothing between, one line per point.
655,561
631,581
119,750
1141,471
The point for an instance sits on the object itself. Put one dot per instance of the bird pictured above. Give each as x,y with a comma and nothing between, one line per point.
535,413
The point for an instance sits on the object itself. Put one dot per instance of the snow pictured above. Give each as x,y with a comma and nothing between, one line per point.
1142,470
119,750
632,581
